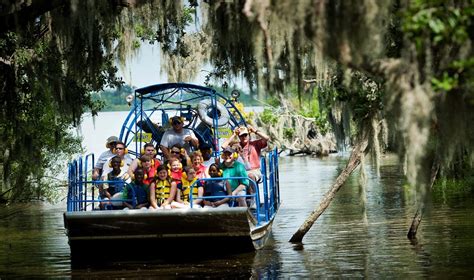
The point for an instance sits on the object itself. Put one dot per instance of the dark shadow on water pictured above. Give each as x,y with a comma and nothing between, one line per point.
236,262
158,264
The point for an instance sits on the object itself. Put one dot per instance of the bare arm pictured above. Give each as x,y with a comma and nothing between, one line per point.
166,152
258,133
95,173
192,139
153,196
200,194
233,138
133,166
172,194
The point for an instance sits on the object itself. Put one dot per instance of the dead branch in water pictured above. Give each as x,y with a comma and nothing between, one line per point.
354,161
415,223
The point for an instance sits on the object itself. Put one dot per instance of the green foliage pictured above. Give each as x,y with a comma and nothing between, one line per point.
48,68
445,30
269,117
453,187
273,101
288,133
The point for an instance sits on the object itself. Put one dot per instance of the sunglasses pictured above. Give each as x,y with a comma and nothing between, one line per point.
176,122
119,148
244,135
175,152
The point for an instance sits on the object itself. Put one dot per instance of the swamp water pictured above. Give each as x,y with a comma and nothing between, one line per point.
361,235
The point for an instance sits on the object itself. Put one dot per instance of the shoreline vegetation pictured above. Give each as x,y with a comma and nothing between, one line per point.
115,99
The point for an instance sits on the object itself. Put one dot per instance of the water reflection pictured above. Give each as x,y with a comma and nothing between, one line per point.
362,234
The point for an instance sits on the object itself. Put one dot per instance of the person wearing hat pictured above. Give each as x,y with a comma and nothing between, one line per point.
99,165
251,150
178,135
232,168
120,151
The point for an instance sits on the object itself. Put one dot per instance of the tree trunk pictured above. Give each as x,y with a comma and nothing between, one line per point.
352,164
415,223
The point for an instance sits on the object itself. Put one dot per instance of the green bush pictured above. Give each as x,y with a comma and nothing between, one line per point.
268,117
288,133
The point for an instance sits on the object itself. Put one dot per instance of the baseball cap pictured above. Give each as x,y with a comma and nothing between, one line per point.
243,130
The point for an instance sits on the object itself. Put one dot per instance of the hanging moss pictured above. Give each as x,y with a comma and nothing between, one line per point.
53,54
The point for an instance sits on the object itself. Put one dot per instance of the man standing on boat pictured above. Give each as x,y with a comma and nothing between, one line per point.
178,135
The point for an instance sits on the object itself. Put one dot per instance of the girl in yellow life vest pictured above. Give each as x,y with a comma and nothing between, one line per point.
182,197
162,190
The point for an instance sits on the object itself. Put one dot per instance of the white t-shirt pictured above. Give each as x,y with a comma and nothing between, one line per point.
127,160
208,162
171,138
99,164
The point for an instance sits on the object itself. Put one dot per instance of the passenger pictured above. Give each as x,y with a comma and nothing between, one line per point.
178,135
180,153
198,166
251,150
233,168
122,152
110,144
149,150
113,190
206,152
147,164
182,197
175,170
162,190
138,191
216,188
238,149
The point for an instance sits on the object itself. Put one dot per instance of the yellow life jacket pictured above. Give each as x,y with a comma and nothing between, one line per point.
186,188
162,190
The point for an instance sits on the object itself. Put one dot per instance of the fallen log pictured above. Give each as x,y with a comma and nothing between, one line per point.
354,161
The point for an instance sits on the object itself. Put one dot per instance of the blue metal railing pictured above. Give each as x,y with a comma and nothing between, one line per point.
266,202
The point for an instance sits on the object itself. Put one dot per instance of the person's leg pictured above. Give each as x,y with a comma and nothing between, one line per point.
116,200
241,200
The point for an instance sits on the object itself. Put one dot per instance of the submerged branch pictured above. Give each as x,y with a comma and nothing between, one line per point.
359,149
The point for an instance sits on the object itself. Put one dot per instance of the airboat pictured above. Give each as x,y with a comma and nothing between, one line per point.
212,117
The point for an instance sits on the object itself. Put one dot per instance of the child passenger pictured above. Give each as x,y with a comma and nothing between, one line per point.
136,190
182,197
113,190
162,190
216,188
176,170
